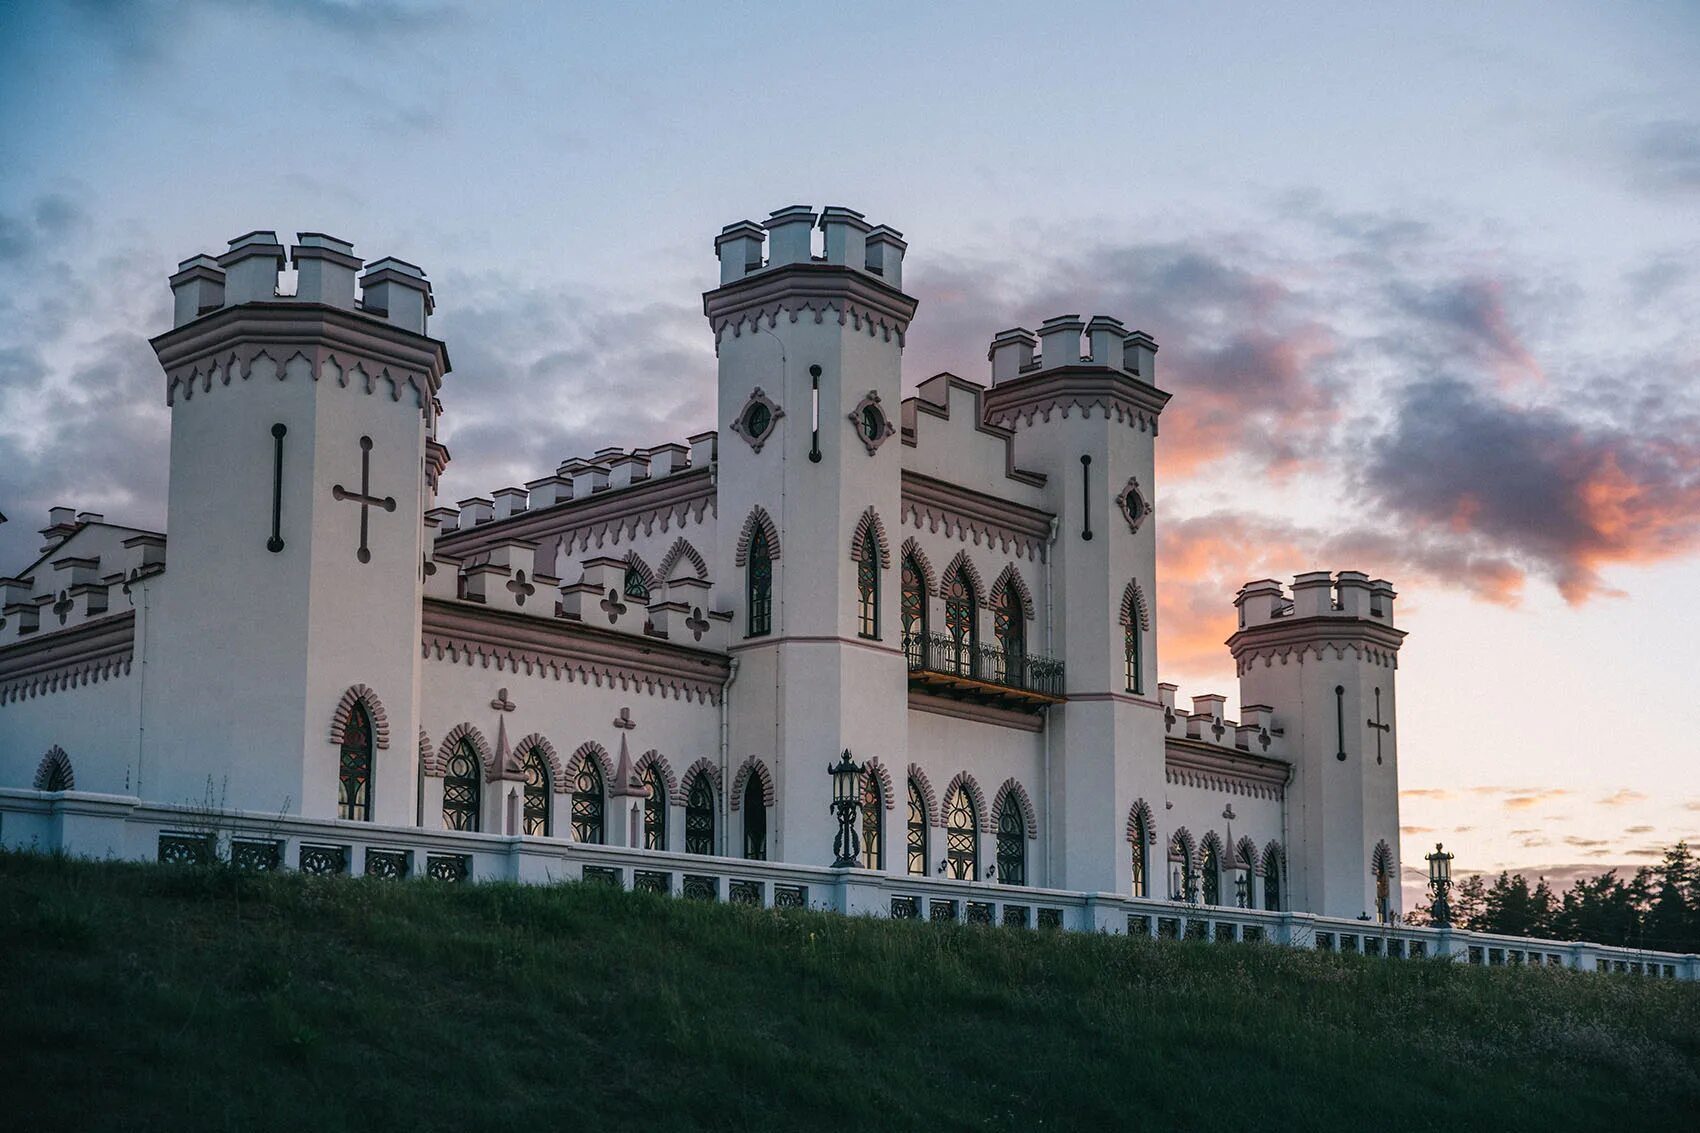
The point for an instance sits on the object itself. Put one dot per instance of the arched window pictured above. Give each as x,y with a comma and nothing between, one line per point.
914,612
1381,865
588,803
755,821
354,778
962,620
873,822
961,837
1130,647
917,830
1182,879
1272,879
759,584
654,810
868,589
1012,843
462,788
699,817
1141,882
1212,870
636,587
536,794
1010,625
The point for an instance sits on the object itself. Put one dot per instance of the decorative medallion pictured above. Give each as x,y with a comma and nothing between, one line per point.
871,424
757,419
1133,505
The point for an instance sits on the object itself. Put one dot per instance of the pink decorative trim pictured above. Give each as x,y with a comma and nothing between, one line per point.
1028,817
882,776
655,759
1272,851
870,522
440,766
758,517
929,797
1133,604
966,782
635,561
55,764
1139,812
557,774
703,766
752,766
1245,850
962,564
1209,842
682,551
1381,861
360,694
913,550
589,749
1187,846
426,750
1011,578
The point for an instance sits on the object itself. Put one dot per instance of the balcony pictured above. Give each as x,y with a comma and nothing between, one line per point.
940,663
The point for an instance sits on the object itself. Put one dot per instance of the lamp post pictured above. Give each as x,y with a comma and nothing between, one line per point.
1440,880
846,800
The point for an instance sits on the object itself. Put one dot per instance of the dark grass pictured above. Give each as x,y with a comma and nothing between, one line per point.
147,997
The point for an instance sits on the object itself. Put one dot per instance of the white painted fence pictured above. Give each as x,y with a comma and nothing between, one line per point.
124,828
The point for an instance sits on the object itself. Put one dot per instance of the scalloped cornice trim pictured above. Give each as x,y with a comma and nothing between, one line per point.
85,654
938,507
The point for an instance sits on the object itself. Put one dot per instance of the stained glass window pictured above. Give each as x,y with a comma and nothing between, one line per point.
961,837
760,585
654,811
755,821
914,611
536,794
1141,883
1212,875
873,822
917,830
462,788
868,588
961,619
354,779
1130,646
588,803
1011,629
636,587
1272,880
1012,843
699,817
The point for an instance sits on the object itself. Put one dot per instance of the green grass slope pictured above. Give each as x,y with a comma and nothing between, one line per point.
146,997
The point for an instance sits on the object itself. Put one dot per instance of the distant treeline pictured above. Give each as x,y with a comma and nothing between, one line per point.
1658,908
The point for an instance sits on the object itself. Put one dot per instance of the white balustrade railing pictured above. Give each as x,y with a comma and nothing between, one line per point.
113,826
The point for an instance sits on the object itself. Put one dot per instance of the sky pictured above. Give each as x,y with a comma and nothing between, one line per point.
1426,285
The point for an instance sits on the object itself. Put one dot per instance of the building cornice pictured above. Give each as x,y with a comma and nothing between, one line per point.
608,516
936,506
1291,640
388,357
1204,766
979,713
93,651
1075,389
466,633
854,298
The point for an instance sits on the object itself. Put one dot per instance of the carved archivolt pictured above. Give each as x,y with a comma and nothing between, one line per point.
54,772
663,771
594,752
1181,846
1133,606
634,561
536,742
964,566
1274,855
966,782
703,766
1245,853
929,799
360,694
1011,579
870,527
752,766
758,518
438,767
882,776
1211,844
1139,818
681,553
913,550
1028,818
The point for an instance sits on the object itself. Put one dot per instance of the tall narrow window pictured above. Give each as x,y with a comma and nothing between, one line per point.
1012,843
1010,625
654,810
1141,883
1272,879
961,837
354,778
462,788
755,821
699,817
588,803
873,822
914,613
917,830
636,588
1381,864
1212,871
1130,646
1182,879
536,794
759,578
961,619
868,588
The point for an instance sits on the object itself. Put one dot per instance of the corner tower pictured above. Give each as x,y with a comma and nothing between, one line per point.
1324,660
302,460
810,345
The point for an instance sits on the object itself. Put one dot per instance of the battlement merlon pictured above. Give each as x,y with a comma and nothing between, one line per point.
1116,373
1320,607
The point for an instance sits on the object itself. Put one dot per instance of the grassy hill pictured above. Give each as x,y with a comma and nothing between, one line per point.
146,997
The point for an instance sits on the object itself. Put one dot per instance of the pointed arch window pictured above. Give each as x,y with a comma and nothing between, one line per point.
463,788
759,585
1212,871
588,803
699,817
1012,843
1182,879
654,810
917,830
868,589
536,794
1131,660
962,621
961,837
755,821
873,822
636,587
914,612
354,775
1141,881
1381,865
1272,880
1009,622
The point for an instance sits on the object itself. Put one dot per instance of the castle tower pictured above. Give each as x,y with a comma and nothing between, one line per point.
1089,423
810,348
302,460
1324,659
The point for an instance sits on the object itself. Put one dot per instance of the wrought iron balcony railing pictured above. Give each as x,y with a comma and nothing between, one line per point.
941,655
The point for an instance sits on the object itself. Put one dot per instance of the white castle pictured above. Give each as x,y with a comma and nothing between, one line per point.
663,649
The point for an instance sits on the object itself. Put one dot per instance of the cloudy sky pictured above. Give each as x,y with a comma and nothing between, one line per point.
1427,288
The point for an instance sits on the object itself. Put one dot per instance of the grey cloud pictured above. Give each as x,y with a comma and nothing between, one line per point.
1665,155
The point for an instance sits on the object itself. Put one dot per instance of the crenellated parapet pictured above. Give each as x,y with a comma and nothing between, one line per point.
1322,615
1082,367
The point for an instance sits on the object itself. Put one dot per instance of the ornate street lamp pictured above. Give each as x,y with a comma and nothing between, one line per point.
846,801
1440,880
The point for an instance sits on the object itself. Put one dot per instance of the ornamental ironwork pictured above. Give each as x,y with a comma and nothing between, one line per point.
462,788
873,822
917,830
941,910
651,881
255,855
744,893
654,810
391,865
588,803
980,912
354,775
1138,925
1015,916
186,849
1012,844
699,817
905,908
1050,918
536,794
790,896
947,655
453,868
602,875
700,888
323,861
961,837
